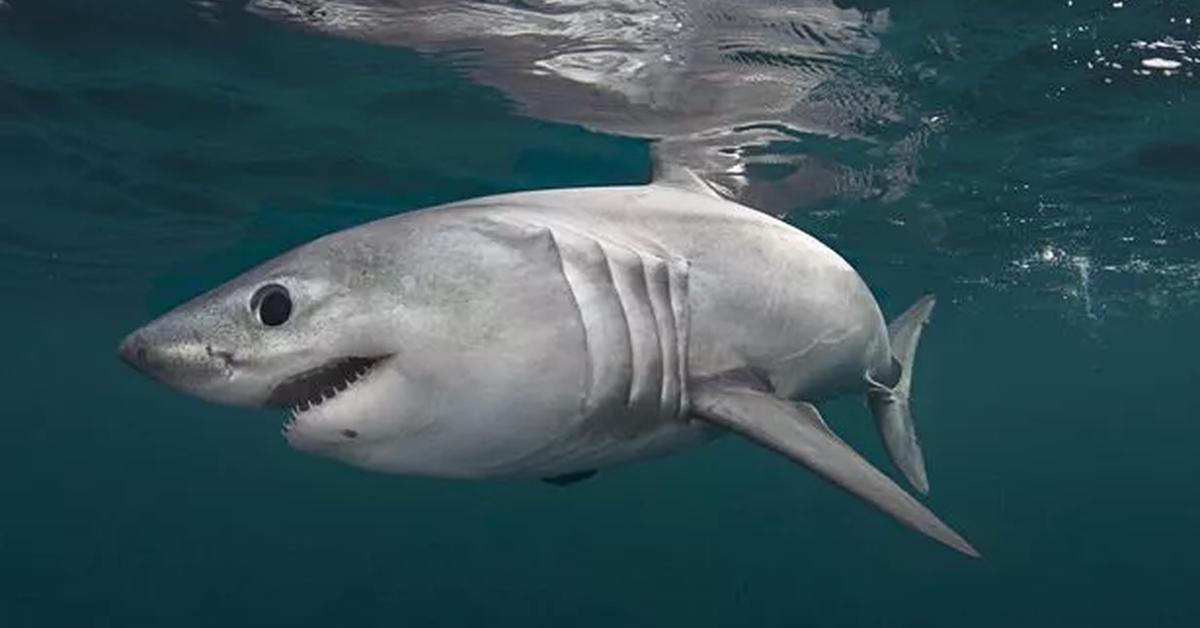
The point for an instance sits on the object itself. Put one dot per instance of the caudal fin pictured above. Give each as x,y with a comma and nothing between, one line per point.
890,405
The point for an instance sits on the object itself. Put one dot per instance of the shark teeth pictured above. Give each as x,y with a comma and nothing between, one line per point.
313,388
293,416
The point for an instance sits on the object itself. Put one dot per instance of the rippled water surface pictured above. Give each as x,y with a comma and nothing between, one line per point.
1035,164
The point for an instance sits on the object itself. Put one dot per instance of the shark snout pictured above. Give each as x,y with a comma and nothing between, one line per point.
197,364
163,358
174,359
133,352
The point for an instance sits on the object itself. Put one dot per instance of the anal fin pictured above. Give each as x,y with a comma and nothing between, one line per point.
798,432
568,479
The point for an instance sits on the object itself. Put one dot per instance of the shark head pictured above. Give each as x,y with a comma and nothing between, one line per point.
392,346
300,332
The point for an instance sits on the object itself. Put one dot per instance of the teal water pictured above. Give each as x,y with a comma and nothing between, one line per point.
151,149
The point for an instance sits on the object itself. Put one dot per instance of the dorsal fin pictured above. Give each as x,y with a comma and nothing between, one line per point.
678,176
682,178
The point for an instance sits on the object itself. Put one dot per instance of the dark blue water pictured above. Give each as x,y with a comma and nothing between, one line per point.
150,150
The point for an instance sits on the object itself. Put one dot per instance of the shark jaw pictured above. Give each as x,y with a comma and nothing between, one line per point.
304,392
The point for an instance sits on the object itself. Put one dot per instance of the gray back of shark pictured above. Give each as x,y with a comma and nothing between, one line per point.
549,334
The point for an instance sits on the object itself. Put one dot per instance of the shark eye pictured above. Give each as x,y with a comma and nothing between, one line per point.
272,304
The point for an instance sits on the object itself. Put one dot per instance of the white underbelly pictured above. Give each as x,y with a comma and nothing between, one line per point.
520,448
594,451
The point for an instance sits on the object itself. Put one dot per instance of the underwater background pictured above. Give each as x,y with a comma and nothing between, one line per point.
1034,164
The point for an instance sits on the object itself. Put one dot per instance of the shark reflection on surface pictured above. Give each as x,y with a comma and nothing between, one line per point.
740,97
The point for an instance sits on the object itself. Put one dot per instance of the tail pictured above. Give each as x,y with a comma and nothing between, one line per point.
889,404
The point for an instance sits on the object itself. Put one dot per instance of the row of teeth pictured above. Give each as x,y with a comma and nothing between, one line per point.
328,393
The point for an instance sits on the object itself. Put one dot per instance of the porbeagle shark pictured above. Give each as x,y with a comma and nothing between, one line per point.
549,334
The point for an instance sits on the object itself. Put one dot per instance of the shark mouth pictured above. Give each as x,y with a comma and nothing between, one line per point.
307,390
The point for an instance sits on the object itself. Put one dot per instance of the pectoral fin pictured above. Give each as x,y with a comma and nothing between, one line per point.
798,432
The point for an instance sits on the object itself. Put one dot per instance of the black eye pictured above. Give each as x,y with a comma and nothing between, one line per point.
273,304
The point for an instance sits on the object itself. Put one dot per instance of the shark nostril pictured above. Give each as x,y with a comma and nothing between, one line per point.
132,352
135,352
